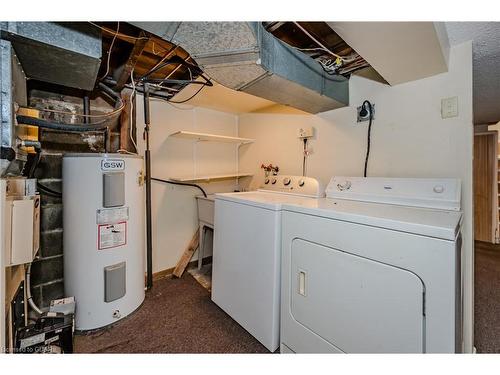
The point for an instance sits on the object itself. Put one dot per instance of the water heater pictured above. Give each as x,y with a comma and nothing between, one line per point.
104,245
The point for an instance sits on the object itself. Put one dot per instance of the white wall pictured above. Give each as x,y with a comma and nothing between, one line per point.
174,207
409,139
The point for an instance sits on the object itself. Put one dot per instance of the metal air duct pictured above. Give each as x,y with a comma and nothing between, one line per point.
245,57
67,54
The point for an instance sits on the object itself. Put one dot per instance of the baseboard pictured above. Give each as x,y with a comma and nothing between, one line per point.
169,271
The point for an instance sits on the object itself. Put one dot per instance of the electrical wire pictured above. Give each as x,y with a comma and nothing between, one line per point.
104,115
123,151
188,99
110,50
153,49
28,291
366,102
323,47
162,60
181,184
118,34
183,82
305,157
106,90
145,78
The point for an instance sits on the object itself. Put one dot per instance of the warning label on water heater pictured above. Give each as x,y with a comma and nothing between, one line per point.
112,215
112,235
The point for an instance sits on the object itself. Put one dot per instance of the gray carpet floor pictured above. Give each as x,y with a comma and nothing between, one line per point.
177,316
487,298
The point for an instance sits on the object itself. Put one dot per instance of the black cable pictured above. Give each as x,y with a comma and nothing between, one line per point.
188,99
196,69
32,163
304,159
160,66
35,162
180,183
183,82
366,102
113,94
154,92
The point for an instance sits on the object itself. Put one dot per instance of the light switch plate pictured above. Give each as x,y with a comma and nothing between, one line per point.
449,107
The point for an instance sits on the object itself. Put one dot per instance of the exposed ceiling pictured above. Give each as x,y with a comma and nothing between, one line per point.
129,50
486,64
485,38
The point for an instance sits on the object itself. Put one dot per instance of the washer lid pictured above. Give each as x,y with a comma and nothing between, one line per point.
439,193
263,199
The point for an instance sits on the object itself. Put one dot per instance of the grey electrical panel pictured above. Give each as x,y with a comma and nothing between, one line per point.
113,194
114,282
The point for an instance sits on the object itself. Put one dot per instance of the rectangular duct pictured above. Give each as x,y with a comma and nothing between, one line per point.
67,54
245,57
13,92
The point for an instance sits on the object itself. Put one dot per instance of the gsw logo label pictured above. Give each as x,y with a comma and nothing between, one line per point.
112,165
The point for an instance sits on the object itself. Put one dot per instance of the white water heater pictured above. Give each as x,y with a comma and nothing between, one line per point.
104,245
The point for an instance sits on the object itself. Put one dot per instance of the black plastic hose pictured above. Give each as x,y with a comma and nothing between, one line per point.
34,121
46,190
181,184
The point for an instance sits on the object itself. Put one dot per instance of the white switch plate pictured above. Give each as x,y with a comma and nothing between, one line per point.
306,132
449,107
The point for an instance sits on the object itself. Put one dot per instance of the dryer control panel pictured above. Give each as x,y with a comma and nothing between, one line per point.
297,185
437,193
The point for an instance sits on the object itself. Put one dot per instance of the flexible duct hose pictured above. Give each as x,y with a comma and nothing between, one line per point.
28,291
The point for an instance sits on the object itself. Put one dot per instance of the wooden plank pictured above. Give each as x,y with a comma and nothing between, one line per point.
485,187
132,60
14,276
187,255
126,123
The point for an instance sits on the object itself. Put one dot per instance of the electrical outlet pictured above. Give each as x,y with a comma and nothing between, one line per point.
366,116
307,132
449,107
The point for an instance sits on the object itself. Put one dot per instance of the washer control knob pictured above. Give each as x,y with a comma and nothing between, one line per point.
438,189
266,181
286,181
345,186
301,182
273,181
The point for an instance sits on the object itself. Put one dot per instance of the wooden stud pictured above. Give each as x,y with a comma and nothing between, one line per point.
126,124
132,60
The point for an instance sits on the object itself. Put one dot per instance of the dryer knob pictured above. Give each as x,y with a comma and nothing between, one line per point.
438,189
301,183
273,181
266,181
286,181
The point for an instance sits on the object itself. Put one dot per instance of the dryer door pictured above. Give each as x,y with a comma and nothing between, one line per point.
356,304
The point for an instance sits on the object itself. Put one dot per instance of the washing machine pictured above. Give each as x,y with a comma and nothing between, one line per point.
246,253
375,267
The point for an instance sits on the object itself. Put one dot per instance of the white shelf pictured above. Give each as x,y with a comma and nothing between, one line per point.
211,177
210,137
